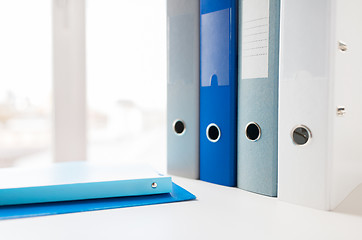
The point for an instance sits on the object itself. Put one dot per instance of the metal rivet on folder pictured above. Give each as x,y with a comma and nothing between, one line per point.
342,46
301,135
341,110
154,185
179,127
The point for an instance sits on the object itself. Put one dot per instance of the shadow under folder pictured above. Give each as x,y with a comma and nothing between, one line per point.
352,204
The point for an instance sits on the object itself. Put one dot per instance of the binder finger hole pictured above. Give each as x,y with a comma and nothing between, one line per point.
253,131
179,127
213,132
301,135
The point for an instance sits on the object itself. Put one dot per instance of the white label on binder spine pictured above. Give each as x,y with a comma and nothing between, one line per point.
255,39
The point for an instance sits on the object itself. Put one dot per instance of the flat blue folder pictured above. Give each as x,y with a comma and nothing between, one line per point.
43,209
78,181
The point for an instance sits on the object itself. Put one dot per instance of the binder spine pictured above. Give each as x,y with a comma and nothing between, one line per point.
346,101
218,88
304,106
258,96
183,30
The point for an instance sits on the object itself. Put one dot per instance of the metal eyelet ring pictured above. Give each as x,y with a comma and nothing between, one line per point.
179,127
213,132
301,135
253,131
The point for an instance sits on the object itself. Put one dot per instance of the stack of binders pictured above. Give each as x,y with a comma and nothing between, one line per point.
278,97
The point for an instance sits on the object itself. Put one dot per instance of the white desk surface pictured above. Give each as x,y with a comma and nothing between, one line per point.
219,213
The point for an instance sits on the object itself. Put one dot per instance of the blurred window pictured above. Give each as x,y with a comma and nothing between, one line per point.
125,81
25,80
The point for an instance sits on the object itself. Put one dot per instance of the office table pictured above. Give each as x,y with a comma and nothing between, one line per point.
218,213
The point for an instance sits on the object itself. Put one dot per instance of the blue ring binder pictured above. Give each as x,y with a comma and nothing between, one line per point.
218,89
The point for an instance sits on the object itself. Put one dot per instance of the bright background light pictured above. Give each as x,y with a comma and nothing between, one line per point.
25,79
126,81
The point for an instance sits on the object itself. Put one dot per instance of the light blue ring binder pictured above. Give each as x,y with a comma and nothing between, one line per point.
258,102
